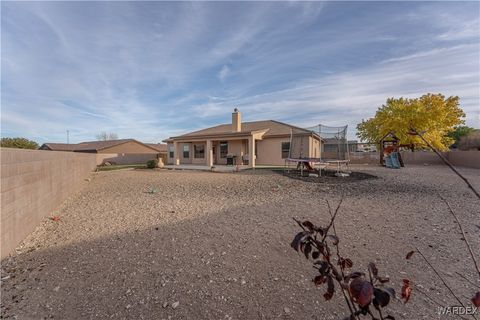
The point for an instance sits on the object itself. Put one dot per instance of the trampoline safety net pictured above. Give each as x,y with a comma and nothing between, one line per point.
334,148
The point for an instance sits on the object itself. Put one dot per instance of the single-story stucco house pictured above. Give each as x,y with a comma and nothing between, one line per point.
122,151
234,143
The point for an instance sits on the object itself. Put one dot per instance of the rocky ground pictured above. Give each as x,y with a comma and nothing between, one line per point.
144,244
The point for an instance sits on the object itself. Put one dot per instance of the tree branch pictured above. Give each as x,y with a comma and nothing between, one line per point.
464,236
446,162
443,280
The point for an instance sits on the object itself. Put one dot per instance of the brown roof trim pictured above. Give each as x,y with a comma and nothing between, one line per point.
160,147
57,146
216,135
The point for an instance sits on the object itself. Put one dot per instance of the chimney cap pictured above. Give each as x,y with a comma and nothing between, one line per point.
235,110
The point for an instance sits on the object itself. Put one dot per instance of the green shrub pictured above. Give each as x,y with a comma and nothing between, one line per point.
152,163
20,143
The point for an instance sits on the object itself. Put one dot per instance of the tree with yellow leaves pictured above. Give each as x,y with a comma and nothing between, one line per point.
431,113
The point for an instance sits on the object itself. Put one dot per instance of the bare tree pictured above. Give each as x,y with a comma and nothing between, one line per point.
104,136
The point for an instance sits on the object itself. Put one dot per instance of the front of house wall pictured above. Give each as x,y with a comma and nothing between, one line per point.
237,147
268,150
33,184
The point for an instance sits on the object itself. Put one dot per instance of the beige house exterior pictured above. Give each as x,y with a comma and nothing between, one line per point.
235,143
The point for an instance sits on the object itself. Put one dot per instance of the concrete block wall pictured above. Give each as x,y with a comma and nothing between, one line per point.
468,159
34,183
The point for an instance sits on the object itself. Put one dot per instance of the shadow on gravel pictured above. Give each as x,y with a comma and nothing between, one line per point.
328,177
230,263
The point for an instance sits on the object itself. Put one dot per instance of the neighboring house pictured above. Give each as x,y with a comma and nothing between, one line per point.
123,151
471,141
235,143
161,148
57,146
333,145
366,147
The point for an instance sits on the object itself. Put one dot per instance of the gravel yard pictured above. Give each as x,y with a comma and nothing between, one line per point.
142,244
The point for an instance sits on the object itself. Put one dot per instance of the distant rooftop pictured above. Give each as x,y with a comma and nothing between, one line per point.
95,146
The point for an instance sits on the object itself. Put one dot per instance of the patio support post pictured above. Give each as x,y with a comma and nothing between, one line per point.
209,153
176,157
251,152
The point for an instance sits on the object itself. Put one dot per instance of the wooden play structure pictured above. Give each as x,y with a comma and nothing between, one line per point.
390,155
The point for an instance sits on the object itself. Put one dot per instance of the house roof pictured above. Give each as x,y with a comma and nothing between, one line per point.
272,127
160,147
58,146
93,146
99,145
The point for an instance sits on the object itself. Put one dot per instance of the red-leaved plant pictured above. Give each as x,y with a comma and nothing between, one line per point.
361,290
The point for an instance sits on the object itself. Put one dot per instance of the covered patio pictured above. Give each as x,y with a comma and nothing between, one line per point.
233,149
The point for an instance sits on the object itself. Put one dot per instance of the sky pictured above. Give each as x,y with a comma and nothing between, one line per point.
150,70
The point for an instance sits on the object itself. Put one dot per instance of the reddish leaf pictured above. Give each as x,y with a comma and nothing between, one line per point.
406,290
476,300
328,296
324,268
308,225
319,280
330,288
410,254
345,263
361,291
320,230
307,248
298,240
381,299
55,218
348,263
320,246
390,291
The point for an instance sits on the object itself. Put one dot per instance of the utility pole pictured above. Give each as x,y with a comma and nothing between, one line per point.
68,137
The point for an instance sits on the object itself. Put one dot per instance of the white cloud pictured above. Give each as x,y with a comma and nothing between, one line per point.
223,74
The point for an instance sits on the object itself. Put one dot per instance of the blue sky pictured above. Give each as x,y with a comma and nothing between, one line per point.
149,70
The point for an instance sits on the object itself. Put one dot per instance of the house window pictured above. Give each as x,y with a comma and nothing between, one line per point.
170,151
223,149
199,151
186,151
285,150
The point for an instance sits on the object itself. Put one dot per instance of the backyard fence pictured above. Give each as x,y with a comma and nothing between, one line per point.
34,183
470,159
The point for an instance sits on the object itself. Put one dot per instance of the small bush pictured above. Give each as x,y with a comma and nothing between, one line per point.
152,163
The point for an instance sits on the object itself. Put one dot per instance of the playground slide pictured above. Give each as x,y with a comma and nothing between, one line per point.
388,161
393,161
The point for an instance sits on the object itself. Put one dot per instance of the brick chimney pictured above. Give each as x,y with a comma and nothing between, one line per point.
236,121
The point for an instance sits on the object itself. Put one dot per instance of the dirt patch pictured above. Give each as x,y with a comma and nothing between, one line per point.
167,244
